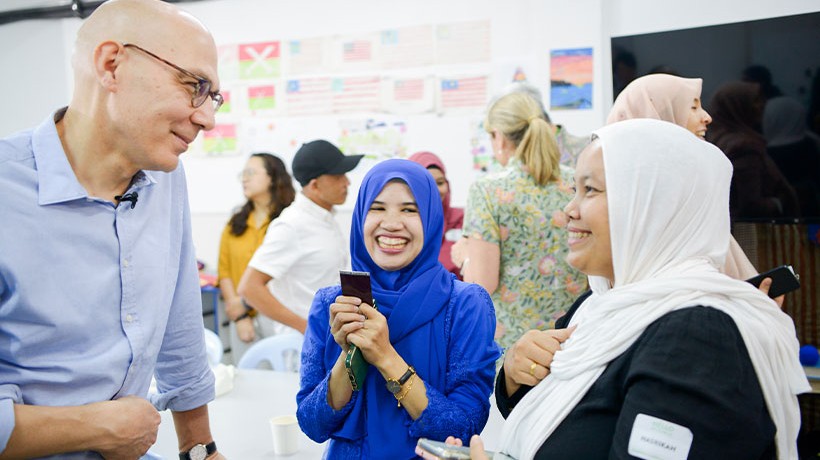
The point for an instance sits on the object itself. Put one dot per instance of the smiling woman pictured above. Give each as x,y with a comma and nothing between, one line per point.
590,250
392,229
676,100
431,339
656,294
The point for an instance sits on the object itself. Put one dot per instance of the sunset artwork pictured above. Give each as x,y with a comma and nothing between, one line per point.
571,78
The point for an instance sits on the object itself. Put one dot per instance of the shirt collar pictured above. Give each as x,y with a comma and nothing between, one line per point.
57,181
306,204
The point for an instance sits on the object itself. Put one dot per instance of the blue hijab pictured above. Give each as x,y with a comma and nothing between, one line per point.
413,299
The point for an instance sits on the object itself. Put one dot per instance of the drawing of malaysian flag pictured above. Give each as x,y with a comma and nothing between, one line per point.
463,92
308,96
356,51
411,89
356,94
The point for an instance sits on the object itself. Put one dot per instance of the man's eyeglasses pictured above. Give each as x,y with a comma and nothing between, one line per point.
202,87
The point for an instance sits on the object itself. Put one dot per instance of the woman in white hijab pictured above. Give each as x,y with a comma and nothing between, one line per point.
670,358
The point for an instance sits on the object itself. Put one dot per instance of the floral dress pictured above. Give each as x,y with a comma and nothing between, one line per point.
536,285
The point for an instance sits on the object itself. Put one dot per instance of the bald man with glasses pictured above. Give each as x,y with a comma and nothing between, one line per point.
98,280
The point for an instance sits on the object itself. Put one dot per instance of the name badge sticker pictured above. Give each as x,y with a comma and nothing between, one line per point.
654,438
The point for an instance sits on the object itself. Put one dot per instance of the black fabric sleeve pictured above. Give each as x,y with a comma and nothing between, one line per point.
506,403
692,368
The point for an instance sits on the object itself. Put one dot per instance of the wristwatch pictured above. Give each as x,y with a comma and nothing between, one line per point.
250,312
394,385
198,452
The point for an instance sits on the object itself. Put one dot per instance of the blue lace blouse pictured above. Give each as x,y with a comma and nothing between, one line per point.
458,400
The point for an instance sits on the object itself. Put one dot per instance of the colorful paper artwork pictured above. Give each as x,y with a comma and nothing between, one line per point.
571,79
221,140
259,60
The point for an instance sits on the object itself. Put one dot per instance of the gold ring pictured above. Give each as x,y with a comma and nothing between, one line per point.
532,369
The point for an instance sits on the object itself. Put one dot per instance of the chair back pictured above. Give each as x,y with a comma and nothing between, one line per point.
273,350
213,346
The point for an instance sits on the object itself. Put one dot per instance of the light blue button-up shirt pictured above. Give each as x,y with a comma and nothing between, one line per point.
94,298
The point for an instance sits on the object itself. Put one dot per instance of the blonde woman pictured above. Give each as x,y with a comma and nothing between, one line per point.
515,245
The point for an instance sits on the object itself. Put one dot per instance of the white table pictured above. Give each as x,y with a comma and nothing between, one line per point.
239,419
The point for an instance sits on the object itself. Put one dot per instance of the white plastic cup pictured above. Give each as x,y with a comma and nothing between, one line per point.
286,434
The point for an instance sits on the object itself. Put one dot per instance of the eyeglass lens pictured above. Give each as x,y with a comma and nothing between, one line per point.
246,174
203,90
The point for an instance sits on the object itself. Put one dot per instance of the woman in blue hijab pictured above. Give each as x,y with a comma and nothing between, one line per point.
430,340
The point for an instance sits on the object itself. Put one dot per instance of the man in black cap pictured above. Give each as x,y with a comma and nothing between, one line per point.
304,248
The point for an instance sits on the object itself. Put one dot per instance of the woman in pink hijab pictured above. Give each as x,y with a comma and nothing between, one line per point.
453,217
676,100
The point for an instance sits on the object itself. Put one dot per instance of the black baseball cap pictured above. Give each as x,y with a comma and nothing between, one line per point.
321,157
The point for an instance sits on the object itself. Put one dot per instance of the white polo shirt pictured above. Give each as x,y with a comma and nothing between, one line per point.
303,251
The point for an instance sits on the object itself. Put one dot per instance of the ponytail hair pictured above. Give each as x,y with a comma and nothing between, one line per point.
520,118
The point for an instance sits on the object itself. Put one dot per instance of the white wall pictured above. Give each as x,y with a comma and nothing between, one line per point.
36,75
33,73
630,17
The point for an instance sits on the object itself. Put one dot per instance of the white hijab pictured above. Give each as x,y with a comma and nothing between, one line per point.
668,198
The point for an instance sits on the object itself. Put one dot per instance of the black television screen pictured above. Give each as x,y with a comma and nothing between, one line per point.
761,84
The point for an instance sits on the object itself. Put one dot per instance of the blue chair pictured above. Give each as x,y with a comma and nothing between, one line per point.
213,345
274,351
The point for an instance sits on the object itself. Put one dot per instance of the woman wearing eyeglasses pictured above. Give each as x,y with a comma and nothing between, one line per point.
269,189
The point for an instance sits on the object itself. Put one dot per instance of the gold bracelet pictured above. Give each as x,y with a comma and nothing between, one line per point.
404,393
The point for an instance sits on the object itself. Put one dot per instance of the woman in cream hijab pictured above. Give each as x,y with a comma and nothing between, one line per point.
676,100
669,357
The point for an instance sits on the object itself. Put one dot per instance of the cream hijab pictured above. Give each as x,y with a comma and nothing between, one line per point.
659,96
660,177
669,98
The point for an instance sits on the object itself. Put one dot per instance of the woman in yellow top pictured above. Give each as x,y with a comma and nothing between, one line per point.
269,189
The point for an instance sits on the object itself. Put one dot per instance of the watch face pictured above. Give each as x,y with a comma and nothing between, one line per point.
198,452
393,386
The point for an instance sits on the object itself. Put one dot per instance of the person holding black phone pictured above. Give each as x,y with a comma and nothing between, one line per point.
429,344
667,357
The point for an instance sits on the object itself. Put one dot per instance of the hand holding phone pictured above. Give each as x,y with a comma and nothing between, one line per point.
356,284
784,280
437,450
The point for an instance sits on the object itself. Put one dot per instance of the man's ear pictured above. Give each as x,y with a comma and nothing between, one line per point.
107,57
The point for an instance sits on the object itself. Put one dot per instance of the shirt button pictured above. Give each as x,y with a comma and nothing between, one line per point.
129,318
125,262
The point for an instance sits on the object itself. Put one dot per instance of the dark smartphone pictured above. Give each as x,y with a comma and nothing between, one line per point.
784,280
356,284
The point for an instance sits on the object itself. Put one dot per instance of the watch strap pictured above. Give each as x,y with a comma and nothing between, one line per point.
394,385
406,376
210,448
